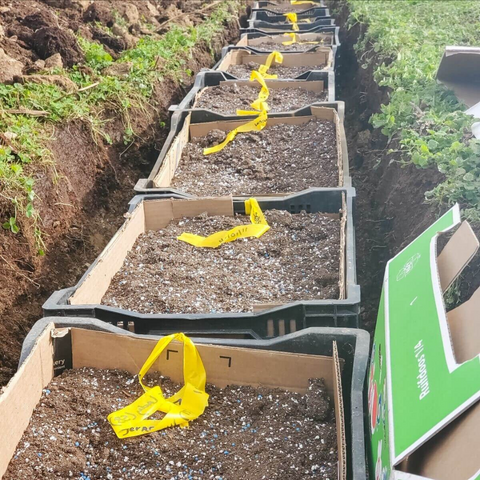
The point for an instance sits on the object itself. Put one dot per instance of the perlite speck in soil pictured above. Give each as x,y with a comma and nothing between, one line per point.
281,158
245,433
297,259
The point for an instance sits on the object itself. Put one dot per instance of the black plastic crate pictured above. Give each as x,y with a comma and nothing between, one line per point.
150,185
259,57
211,78
260,19
273,30
257,36
273,322
353,347
269,15
261,4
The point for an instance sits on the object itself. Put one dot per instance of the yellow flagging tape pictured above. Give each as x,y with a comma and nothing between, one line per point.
255,124
294,39
186,405
261,102
256,229
263,69
302,2
292,18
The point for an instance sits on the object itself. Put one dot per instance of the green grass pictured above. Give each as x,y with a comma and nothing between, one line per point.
151,60
409,38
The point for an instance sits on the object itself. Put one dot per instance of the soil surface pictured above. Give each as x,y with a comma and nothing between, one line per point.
297,259
244,71
83,201
235,438
278,159
229,97
289,8
294,47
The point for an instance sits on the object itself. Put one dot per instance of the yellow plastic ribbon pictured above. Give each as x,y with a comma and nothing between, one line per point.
261,102
302,2
255,124
186,405
256,229
294,39
292,18
263,69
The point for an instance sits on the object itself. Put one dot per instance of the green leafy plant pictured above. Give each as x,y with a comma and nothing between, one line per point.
153,59
407,39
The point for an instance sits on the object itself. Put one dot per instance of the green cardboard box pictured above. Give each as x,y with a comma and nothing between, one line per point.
424,378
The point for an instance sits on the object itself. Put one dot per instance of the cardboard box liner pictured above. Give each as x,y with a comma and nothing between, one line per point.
278,31
275,321
318,87
58,349
323,55
322,82
164,169
272,4
155,215
287,27
323,39
312,14
424,384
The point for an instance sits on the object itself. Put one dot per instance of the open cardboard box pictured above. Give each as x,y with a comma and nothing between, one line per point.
58,349
167,166
459,70
320,38
156,214
322,56
424,382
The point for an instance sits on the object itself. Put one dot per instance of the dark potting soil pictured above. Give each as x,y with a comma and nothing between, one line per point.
244,70
229,97
288,8
278,159
297,259
244,433
294,47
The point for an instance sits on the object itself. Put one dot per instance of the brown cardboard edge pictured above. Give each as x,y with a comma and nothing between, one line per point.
224,365
317,86
343,246
147,215
457,254
305,37
339,416
239,57
21,395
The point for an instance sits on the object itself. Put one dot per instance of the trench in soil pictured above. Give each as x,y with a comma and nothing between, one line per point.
102,179
390,208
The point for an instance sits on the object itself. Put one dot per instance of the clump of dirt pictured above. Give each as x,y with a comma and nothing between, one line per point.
278,159
69,436
244,71
229,97
51,40
297,259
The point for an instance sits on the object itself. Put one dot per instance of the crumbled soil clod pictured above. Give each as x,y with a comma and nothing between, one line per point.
297,259
244,433
278,159
244,71
230,97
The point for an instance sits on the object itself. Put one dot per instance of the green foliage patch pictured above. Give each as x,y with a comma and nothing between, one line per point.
151,60
408,38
